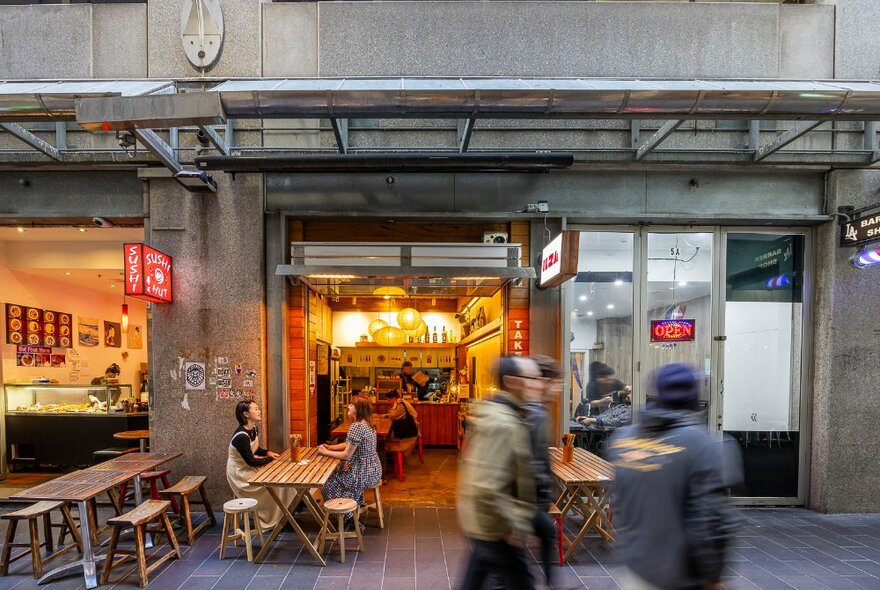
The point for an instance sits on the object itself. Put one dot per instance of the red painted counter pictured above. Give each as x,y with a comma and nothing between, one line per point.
438,421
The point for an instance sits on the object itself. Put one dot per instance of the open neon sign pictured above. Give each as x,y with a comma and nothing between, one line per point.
673,330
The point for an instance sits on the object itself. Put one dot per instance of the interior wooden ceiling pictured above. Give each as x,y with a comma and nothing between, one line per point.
380,304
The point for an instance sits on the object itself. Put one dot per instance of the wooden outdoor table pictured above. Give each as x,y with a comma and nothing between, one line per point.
82,487
584,482
383,427
142,436
281,473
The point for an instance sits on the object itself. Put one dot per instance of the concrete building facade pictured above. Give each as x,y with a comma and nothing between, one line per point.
226,244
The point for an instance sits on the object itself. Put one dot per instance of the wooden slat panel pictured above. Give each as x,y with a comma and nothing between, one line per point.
281,472
585,467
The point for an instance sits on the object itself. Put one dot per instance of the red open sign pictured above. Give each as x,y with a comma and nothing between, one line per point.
673,330
147,274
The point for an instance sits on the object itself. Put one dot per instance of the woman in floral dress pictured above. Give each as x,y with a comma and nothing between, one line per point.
360,468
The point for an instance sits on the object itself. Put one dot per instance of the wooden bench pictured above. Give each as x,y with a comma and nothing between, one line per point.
139,519
32,514
188,485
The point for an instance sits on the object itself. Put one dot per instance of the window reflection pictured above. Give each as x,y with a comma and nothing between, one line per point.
602,337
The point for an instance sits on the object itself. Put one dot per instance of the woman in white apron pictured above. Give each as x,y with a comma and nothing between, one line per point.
245,458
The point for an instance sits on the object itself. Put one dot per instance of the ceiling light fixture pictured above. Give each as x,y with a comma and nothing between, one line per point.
20,230
83,230
610,306
583,297
589,313
682,283
67,272
618,282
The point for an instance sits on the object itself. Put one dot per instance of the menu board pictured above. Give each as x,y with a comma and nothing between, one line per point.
37,327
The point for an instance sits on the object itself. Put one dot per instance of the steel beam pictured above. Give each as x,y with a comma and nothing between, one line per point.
659,135
193,180
340,131
783,139
215,139
465,130
33,141
635,132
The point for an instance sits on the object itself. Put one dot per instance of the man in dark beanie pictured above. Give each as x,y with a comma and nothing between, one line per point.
671,509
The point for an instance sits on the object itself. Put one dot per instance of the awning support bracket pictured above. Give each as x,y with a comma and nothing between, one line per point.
340,131
215,139
193,180
465,130
652,142
871,142
783,139
33,141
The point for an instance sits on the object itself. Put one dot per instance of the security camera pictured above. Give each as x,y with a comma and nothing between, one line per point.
101,222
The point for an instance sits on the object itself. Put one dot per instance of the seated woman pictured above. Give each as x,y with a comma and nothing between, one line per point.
403,418
360,468
245,457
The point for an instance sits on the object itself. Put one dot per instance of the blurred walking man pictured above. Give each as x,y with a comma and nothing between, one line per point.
496,496
671,509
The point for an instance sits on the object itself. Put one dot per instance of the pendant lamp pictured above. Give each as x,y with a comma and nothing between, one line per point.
409,319
389,336
376,325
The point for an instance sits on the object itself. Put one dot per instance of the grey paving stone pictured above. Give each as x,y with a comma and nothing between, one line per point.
395,583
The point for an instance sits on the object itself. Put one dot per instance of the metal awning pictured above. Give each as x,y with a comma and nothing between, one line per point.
55,100
416,270
549,98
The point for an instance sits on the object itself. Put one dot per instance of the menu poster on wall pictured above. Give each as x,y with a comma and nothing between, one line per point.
88,332
112,334
33,356
37,327
14,324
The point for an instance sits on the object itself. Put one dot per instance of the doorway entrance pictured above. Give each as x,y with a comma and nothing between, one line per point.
729,301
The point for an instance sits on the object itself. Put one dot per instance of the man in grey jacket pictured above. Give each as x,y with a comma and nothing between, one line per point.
496,484
671,507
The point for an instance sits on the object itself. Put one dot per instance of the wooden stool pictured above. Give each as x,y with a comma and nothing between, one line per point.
189,484
399,449
139,519
340,507
240,508
32,514
375,505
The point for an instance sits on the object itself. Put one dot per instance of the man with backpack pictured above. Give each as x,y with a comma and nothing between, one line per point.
671,509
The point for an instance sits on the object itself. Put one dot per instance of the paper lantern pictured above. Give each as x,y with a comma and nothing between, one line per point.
376,325
409,319
389,291
389,336
421,330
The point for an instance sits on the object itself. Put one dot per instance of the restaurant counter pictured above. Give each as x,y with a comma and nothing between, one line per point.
438,421
51,424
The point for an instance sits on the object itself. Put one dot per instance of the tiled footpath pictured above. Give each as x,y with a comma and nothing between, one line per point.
423,548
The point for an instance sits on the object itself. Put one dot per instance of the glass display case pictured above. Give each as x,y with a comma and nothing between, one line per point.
53,399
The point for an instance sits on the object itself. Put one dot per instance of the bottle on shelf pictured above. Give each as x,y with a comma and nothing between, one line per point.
144,392
434,335
443,336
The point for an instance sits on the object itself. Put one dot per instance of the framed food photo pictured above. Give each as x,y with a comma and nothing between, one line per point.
112,334
15,323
